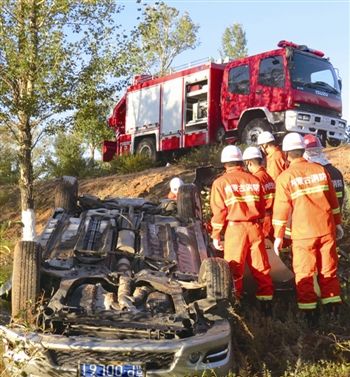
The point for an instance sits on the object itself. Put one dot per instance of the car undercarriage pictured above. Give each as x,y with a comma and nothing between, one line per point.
120,287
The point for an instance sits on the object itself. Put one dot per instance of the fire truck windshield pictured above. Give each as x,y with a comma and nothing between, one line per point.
309,71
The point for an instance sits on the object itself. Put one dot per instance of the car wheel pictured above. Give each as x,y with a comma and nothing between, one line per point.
147,148
66,194
252,129
333,142
25,279
216,275
189,205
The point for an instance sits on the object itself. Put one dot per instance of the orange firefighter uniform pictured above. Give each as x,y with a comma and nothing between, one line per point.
305,191
237,200
269,188
339,186
275,162
338,182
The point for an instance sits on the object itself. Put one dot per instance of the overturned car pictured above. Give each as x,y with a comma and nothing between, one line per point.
119,287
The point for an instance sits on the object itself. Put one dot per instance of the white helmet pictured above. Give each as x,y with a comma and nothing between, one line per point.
265,137
293,141
251,153
175,183
231,153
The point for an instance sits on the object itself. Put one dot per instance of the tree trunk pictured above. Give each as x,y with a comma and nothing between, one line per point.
26,180
28,43
92,155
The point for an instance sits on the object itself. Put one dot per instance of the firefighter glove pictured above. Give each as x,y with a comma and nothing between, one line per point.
218,244
277,246
339,232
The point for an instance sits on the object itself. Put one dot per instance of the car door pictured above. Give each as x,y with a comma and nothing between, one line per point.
236,96
270,89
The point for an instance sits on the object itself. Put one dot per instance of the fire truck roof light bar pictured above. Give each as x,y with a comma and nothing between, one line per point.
283,44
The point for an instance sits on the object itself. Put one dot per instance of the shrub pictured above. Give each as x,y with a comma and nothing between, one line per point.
201,156
131,164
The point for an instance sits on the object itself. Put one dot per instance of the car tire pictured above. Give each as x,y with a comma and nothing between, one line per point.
333,142
216,275
25,280
252,129
189,205
147,147
66,194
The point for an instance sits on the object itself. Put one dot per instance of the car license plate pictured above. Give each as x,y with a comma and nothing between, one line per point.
101,370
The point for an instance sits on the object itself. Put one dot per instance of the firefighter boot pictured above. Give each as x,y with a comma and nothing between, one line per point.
266,308
312,317
332,311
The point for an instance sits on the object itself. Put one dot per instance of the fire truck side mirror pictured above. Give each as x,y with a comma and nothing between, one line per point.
340,83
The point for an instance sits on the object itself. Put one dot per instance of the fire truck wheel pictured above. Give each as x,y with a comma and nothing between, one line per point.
252,129
66,194
333,142
147,147
25,279
220,135
188,202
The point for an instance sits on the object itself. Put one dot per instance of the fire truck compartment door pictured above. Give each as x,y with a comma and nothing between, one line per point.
143,108
172,106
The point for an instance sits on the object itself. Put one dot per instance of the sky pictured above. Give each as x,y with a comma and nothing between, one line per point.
321,25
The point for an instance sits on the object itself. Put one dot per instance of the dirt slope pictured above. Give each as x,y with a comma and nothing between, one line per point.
151,184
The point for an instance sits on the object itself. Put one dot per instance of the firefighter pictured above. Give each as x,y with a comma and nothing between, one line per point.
314,153
253,160
275,160
237,203
306,191
175,184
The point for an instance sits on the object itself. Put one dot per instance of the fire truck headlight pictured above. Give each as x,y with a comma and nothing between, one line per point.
304,117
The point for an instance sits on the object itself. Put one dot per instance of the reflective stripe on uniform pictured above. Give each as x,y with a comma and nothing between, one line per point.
269,196
288,232
279,222
264,298
217,226
309,190
310,305
241,199
335,211
339,194
329,300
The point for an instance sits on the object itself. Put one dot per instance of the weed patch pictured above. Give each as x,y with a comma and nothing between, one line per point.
201,156
131,164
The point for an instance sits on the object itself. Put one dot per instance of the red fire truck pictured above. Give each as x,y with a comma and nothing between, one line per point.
292,88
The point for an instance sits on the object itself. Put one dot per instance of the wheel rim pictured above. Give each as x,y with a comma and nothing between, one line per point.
146,151
220,135
252,135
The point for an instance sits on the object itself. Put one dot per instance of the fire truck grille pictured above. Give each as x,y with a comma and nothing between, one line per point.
152,360
318,110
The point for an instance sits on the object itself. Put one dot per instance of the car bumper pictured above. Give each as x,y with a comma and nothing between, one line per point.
305,122
41,354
